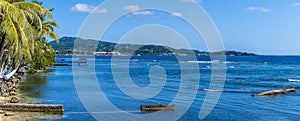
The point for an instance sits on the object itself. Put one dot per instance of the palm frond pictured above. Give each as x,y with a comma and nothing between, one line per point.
53,23
31,36
54,36
34,19
30,6
8,27
14,12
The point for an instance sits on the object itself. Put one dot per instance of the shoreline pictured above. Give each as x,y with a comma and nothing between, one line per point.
9,89
13,88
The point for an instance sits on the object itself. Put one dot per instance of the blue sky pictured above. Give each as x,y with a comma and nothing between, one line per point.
261,26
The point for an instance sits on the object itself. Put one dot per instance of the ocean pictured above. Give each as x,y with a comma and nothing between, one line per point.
113,88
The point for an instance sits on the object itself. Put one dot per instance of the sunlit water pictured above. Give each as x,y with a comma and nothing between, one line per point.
244,76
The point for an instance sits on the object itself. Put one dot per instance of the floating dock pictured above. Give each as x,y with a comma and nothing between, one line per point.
82,60
157,107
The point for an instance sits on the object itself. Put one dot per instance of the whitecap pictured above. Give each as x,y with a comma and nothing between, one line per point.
213,61
231,67
199,61
294,80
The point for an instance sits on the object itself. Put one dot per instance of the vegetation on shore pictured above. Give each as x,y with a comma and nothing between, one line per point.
66,46
24,27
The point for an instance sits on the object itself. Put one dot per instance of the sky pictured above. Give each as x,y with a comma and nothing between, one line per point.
268,27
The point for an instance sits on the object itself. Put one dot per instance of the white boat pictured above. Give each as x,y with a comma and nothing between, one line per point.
294,80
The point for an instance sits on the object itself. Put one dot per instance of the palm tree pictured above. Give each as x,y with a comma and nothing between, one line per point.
21,29
43,53
11,33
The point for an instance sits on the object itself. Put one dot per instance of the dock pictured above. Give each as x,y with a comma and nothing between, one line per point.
82,60
49,108
157,107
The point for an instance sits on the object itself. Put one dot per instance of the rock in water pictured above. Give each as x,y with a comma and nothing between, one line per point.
21,70
8,114
13,93
14,100
275,92
290,90
5,94
272,92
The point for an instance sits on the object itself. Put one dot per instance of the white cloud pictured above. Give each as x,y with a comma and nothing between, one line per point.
85,8
134,9
100,10
260,9
82,8
177,14
295,4
131,8
193,1
143,12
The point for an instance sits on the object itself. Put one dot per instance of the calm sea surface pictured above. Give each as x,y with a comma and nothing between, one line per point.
244,76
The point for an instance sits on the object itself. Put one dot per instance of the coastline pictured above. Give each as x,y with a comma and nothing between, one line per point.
10,89
15,90
26,116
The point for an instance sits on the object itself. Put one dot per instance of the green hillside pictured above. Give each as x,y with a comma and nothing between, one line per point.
88,46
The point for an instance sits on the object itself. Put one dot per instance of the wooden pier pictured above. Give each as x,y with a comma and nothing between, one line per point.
49,108
82,60
157,107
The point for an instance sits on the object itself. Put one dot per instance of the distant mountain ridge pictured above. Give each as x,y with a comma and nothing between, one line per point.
66,45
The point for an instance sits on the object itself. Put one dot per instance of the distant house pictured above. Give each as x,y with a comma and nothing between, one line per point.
56,52
107,53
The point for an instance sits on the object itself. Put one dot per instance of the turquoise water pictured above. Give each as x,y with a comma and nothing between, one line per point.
244,76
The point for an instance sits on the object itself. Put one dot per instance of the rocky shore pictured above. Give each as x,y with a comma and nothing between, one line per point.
9,87
9,91
9,96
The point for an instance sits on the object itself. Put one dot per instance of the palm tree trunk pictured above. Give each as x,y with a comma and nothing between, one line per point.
2,45
2,60
5,62
9,75
12,65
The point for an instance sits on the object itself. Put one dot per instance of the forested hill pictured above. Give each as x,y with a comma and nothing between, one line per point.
66,45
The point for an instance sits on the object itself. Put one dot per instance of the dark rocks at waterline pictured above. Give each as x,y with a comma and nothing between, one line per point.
9,87
275,92
14,100
157,107
39,71
19,77
15,80
8,114
61,64
4,94
22,70
13,93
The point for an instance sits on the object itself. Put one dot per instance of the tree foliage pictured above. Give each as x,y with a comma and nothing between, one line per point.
24,26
